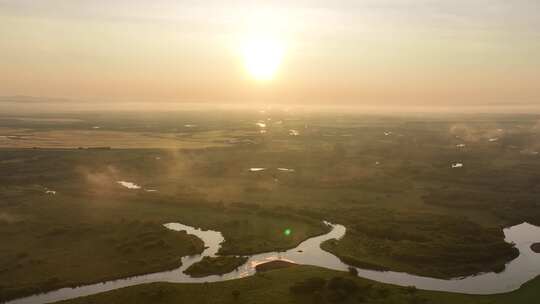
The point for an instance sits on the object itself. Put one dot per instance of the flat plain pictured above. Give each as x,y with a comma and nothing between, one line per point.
391,180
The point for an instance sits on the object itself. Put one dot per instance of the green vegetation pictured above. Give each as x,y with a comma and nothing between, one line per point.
439,247
404,207
215,265
93,229
48,254
57,241
301,284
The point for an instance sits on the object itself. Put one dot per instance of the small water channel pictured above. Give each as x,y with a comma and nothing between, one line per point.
517,272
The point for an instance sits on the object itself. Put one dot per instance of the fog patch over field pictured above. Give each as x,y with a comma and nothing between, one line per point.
184,172
475,133
99,181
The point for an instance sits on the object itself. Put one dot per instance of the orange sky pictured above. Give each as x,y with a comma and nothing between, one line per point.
342,52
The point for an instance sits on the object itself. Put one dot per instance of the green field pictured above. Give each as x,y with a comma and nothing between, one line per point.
387,179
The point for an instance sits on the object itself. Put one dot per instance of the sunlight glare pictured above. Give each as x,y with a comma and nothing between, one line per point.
262,57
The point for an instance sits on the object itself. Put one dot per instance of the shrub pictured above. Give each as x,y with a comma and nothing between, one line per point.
310,285
411,289
361,298
347,285
381,292
337,296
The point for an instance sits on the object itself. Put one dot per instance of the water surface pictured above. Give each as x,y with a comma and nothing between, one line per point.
517,272
129,185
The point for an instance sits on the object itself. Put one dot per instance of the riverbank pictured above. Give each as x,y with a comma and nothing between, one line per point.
273,265
274,287
215,265
310,252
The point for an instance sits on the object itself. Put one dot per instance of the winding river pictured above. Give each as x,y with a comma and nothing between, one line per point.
520,270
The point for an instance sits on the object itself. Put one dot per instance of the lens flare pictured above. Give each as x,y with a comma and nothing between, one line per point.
287,232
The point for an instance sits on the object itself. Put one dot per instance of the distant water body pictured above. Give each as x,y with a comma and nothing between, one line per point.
517,272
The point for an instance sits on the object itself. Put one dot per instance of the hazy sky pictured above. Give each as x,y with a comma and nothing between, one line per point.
354,52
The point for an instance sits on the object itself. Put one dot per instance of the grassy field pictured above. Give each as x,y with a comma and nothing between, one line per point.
389,180
281,286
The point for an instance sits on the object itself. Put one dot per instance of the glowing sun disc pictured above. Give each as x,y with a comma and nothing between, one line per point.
262,57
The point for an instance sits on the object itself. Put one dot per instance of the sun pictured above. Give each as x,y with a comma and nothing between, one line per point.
262,57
